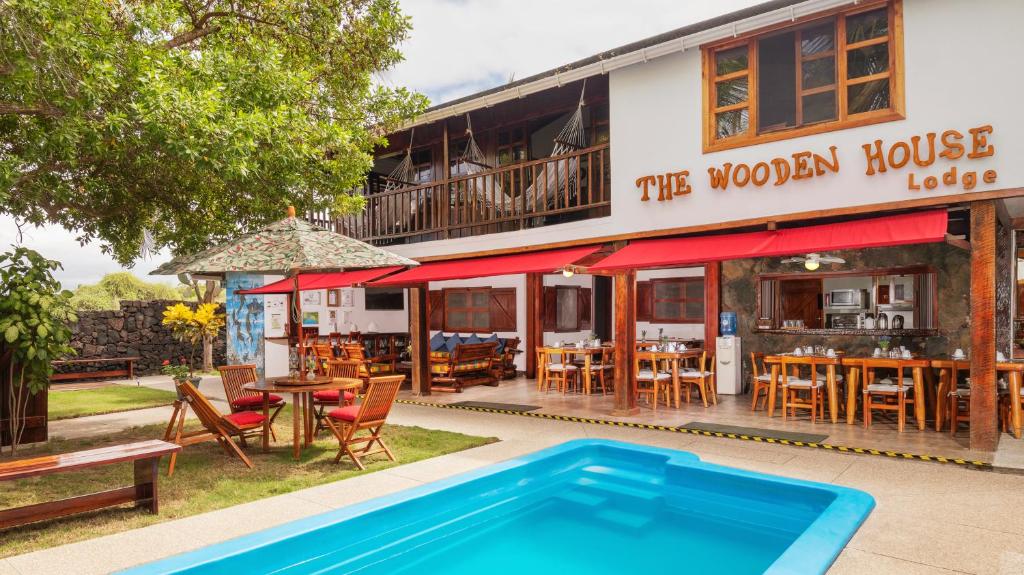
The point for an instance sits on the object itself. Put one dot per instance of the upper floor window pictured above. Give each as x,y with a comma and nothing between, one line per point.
832,71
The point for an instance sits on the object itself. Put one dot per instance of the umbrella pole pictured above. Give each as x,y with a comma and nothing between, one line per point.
302,330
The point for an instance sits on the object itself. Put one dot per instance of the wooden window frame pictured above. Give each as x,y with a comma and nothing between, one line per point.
895,74
683,300
486,310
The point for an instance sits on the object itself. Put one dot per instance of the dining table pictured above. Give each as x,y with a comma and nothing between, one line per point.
674,358
302,391
857,367
1013,371
829,361
588,352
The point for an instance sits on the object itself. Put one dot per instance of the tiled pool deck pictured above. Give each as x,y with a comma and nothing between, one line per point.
930,518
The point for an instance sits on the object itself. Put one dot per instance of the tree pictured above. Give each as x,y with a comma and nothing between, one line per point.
185,121
206,295
34,318
118,286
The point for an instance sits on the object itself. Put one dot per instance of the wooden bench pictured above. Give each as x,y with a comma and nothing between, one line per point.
144,454
469,364
128,372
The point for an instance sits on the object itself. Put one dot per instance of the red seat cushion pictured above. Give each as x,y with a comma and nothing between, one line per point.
347,413
254,401
331,396
245,418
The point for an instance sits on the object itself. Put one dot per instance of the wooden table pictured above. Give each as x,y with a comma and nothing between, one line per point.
674,357
587,353
859,365
302,403
1012,369
830,364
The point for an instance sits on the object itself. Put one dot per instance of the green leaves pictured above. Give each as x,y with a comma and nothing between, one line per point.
11,334
191,120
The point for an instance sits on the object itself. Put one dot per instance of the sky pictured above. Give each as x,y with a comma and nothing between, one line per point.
457,47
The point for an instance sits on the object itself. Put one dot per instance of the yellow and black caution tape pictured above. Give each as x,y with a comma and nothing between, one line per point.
981,465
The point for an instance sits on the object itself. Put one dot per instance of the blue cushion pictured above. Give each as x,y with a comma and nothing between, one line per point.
472,339
437,342
501,342
452,341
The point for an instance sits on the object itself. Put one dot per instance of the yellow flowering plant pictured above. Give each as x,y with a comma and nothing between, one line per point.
191,326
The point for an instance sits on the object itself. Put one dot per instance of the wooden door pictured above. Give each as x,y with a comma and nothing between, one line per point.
801,299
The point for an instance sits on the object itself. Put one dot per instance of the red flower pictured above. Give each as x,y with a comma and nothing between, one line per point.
167,362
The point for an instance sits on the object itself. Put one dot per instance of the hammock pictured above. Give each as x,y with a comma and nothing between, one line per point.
553,177
487,191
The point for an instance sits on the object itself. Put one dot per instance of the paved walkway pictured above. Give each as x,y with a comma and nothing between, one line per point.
930,519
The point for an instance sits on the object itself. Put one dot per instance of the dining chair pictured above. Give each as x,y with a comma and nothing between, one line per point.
330,398
233,377
556,369
651,381
887,393
600,364
959,399
793,386
760,380
369,416
701,378
323,352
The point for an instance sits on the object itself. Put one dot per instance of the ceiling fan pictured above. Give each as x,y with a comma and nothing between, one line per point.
813,261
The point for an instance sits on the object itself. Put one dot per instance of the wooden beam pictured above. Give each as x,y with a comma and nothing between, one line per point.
712,302
419,332
1003,214
958,242
984,392
534,321
625,343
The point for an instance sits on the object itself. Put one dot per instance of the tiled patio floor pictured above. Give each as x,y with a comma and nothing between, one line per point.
735,411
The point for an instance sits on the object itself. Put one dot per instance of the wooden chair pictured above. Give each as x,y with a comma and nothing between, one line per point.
702,378
959,399
760,380
369,366
793,386
555,369
505,360
217,426
323,352
650,380
887,394
234,377
336,368
600,365
370,415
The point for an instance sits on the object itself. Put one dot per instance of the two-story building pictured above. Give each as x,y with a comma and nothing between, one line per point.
838,173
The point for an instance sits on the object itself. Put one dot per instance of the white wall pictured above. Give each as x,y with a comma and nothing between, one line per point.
581,280
507,281
956,58
680,330
383,320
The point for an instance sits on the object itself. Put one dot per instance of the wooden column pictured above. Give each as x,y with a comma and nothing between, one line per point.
984,404
712,302
419,332
534,321
625,343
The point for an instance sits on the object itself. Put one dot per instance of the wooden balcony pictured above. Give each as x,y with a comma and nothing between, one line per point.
558,189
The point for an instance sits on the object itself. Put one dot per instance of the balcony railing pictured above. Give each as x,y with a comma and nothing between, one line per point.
531,194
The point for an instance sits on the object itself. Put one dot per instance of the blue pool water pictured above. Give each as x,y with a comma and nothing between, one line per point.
587,506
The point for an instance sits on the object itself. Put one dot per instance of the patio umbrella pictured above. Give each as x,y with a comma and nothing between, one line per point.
287,247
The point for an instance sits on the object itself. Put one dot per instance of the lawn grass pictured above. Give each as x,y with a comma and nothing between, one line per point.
205,479
66,404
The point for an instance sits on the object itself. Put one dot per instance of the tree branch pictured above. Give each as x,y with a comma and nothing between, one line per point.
190,36
46,110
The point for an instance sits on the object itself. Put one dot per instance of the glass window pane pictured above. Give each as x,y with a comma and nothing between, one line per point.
671,310
818,73
481,321
731,123
695,289
867,60
479,299
694,310
867,96
731,92
729,61
867,26
456,299
818,39
456,320
668,290
776,96
567,316
819,107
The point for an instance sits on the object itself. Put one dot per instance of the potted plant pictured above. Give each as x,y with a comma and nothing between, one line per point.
179,372
190,326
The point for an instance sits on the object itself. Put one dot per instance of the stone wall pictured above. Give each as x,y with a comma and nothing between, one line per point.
134,330
953,269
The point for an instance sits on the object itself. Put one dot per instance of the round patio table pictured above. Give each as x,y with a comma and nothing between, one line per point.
302,403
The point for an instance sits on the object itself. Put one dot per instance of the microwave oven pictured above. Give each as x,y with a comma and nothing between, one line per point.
854,298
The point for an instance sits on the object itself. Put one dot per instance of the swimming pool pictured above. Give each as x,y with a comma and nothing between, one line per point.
587,506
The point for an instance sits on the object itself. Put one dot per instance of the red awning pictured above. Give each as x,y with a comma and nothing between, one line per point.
533,262
312,281
914,228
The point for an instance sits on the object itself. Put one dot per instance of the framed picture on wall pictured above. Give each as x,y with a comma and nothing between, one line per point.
346,297
333,298
311,297
311,318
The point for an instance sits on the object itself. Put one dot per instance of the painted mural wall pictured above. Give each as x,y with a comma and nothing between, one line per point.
245,320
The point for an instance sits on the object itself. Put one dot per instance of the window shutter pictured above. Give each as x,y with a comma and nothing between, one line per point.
644,300
503,309
436,309
550,308
583,308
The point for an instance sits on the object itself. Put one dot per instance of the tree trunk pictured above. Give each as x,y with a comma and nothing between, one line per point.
207,353
209,293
